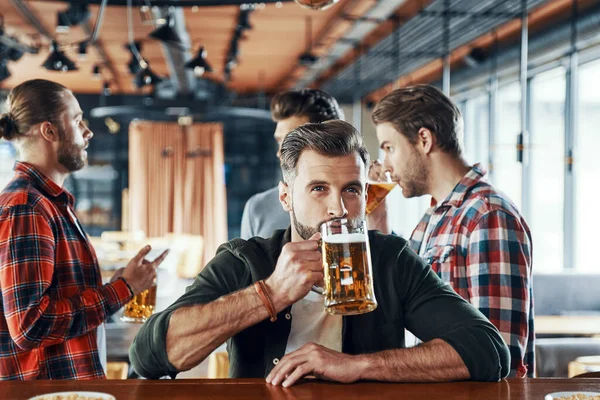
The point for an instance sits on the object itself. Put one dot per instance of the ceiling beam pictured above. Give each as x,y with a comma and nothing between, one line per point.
182,79
29,15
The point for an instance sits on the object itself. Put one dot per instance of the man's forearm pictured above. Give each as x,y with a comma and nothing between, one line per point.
378,219
195,331
434,361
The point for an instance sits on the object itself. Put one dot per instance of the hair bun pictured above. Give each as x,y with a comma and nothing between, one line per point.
7,127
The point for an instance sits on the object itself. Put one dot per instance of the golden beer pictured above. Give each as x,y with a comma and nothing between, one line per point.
376,192
347,268
141,307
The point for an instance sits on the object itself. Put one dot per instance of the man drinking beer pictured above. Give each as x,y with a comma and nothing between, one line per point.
473,236
250,294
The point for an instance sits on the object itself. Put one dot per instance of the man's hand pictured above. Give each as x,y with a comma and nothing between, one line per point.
117,275
319,361
140,273
299,267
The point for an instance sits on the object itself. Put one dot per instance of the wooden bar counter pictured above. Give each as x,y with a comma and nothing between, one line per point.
217,389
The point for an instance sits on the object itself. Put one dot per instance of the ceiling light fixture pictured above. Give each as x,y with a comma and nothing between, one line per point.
4,72
82,50
199,63
137,62
96,72
308,58
146,77
166,33
58,61
76,14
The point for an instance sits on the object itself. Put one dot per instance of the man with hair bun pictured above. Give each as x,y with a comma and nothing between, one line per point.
53,304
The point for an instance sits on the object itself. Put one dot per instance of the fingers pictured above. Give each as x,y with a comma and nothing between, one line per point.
158,260
298,373
316,236
284,368
139,257
305,245
289,371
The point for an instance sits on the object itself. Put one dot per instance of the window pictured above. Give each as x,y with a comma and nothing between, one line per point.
8,155
476,140
507,170
587,168
547,138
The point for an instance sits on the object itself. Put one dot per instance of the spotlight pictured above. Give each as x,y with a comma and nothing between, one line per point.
82,50
134,64
199,63
106,89
475,57
244,21
307,59
166,33
58,61
96,72
14,54
146,77
76,14
4,72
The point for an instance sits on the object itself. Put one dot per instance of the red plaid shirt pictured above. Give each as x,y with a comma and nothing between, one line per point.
52,298
477,241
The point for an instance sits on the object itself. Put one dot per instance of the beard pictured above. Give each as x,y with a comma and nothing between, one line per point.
414,181
304,231
70,155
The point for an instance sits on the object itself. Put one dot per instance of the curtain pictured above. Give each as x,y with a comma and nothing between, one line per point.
176,181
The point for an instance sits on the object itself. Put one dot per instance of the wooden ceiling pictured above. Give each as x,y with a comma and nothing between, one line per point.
268,59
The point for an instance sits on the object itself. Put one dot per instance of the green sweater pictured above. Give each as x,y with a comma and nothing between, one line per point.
409,295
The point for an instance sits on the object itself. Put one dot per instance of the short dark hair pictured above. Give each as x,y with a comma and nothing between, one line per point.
32,102
331,138
422,106
315,104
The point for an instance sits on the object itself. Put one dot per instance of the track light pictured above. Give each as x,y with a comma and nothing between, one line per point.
135,65
244,21
166,33
76,14
96,72
4,72
14,54
475,57
58,61
82,50
106,89
146,77
199,63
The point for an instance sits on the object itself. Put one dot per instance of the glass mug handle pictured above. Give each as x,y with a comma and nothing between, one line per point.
315,288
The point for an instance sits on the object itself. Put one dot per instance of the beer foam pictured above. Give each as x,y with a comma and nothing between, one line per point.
346,238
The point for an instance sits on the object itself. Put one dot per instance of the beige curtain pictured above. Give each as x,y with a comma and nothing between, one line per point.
176,181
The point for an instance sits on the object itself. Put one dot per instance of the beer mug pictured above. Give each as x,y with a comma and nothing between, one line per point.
379,184
347,267
141,307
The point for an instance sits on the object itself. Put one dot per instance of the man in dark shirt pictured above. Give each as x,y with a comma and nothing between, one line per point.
286,334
